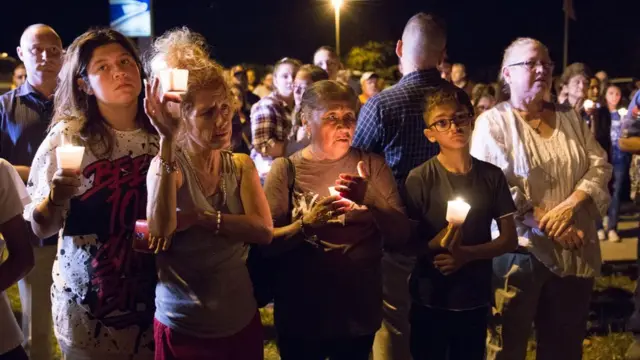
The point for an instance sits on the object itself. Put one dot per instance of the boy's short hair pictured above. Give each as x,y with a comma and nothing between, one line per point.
439,96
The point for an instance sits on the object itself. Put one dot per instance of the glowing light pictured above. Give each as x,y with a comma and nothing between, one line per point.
337,3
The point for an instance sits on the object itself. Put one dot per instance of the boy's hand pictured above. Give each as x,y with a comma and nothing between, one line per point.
457,257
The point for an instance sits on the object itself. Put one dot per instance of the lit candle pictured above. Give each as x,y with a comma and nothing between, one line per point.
457,211
69,157
174,80
588,104
623,112
334,192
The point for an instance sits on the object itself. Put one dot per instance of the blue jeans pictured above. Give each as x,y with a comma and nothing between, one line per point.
621,164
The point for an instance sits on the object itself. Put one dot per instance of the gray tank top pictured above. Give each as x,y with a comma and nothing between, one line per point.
204,289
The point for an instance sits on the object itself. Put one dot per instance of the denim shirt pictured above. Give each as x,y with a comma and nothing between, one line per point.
24,118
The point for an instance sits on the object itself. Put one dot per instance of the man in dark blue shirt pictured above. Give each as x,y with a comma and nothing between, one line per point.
26,111
391,124
25,114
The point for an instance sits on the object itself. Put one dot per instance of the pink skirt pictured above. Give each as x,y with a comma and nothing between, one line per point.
245,345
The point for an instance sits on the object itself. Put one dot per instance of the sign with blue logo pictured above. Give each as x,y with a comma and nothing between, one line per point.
131,17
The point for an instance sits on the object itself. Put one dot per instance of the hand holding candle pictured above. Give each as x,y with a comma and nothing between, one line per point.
588,104
623,113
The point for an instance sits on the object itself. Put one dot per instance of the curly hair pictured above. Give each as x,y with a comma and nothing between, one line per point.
182,48
74,105
444,96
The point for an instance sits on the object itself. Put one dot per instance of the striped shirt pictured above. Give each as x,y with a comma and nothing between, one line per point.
391,123
24,118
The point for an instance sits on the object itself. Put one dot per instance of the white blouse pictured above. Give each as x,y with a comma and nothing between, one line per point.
543,173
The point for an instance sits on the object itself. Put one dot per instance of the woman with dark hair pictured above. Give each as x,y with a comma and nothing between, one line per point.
620,160
332,205
271,117
102,293
211,203
240,124
307,75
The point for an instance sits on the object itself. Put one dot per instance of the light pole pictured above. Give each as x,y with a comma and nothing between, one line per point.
337,4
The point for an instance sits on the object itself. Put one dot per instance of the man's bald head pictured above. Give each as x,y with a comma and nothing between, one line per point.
423,42
38,30
41,52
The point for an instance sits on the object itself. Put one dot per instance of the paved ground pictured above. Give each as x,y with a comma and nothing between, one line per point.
626,250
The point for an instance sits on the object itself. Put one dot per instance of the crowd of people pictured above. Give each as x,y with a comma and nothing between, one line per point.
337,208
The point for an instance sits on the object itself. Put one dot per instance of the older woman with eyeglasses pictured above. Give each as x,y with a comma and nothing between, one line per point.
333,206
558,176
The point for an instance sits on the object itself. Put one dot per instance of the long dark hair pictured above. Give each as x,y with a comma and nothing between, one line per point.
73,104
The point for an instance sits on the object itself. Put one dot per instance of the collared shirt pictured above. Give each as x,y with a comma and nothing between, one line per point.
270,122
391,123
24,118
543,172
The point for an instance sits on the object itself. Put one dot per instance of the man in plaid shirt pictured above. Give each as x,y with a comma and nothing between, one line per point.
391,124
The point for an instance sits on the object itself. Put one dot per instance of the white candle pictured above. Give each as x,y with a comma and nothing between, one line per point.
623,112
69,157
588,104
457,211
174,80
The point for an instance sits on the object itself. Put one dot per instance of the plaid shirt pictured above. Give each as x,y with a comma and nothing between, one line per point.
270,119
391,123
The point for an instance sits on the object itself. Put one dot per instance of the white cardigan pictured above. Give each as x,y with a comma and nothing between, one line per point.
543,173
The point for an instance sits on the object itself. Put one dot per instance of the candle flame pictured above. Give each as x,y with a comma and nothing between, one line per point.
588,104
623,112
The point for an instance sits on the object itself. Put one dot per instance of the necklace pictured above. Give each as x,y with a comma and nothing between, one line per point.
535,128
221,185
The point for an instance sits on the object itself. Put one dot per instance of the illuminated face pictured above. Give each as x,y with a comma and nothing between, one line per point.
113,75
208,122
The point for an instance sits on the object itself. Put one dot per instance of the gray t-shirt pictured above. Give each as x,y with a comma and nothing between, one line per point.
427,190
335,290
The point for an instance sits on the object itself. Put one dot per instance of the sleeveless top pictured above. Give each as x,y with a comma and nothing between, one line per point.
204,289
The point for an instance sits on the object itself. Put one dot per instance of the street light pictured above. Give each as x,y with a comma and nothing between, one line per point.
337,4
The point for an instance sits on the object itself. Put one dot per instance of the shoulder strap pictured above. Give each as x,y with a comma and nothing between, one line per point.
291,182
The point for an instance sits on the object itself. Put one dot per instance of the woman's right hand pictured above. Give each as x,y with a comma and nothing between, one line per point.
161,109
64,186
325,210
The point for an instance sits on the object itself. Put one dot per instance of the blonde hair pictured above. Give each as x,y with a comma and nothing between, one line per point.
511,50
182,48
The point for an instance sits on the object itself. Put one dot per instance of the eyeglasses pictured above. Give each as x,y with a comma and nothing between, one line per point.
531,65
445,124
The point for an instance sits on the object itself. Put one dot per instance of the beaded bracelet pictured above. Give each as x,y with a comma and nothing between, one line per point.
169,167
218,222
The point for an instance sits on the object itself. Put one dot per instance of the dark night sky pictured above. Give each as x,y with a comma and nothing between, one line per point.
606,35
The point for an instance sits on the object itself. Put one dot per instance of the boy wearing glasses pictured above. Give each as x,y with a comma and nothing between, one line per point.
451,283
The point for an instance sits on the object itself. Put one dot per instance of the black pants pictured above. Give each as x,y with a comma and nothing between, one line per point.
357,348
15,354
448,335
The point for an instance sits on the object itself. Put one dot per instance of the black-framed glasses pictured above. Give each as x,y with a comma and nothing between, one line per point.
531,65
443,125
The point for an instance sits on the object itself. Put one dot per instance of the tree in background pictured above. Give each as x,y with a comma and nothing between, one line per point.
379,57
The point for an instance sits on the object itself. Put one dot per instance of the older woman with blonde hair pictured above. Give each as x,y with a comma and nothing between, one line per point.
204,204
558,176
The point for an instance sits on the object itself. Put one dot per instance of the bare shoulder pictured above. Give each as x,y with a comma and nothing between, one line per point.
243,161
